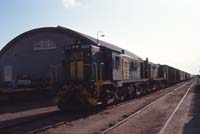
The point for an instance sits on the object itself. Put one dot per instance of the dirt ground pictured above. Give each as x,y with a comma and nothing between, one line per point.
185,121
150,121
96,123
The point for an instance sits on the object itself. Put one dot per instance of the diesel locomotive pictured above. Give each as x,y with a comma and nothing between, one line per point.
97,74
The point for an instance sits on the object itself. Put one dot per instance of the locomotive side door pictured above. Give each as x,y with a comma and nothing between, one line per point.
117,66
76,70
98,70
72,70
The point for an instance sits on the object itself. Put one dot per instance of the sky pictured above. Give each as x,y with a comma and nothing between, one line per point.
165,31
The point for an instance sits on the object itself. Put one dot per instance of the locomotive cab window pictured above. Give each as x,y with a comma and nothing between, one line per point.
132,66
76,55
116,62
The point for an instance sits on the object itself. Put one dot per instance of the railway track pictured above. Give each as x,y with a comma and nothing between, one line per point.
148,106
55,113
107,130
175,110
26,119
110,107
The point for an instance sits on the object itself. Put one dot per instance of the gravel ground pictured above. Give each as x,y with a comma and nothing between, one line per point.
97,123
24,106
100,120
192,119
176,125
25,109
187,118
153,119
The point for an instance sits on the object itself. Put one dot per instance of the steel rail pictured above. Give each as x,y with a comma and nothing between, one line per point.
141,110
176,109
23,121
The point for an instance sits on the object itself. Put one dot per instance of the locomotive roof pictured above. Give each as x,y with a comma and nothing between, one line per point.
106,44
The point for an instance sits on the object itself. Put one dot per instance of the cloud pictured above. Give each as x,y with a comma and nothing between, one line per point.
71,3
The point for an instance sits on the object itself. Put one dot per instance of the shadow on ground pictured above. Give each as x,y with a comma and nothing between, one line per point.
193,126
53,120
22,101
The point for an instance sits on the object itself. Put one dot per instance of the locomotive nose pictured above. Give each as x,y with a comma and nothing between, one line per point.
75,98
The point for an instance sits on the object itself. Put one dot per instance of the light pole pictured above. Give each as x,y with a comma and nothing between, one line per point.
101,34
198,78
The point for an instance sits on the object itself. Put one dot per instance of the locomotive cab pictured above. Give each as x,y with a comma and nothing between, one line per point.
83,63
83,68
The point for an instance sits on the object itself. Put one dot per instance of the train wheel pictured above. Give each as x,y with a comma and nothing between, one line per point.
162,86
156,86
144,91
138,91
125,93
131,93
109,97
149,90
121,97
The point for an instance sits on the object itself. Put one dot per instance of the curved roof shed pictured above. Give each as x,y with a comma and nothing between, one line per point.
21,57
68,31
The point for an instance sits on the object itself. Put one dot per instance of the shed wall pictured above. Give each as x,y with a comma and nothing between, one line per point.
35,63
